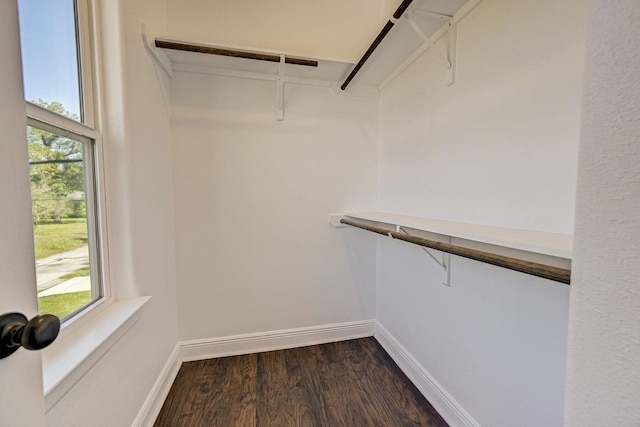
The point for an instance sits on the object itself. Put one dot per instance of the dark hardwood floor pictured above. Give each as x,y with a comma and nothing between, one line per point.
346,384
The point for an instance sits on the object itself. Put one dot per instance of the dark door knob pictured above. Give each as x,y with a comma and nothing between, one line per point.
35,334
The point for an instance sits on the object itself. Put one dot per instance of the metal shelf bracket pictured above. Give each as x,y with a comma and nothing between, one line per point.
444,263
159,57
448,58
280,90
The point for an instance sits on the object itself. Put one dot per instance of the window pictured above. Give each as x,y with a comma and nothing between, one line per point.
64,150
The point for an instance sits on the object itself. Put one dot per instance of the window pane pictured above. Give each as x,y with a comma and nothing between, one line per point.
50,55
61,174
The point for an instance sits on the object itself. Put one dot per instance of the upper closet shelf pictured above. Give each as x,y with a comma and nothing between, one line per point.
179,55
415,29
234,62
540,242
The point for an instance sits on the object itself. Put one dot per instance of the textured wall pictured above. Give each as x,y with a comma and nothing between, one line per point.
603,378
21,370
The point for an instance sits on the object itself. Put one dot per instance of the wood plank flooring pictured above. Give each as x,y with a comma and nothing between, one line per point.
346,384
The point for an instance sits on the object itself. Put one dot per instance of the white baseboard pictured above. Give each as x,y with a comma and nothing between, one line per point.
154,401
274,340
453,413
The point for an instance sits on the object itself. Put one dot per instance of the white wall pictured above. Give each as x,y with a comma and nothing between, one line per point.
328,29
255,251
603,375
140,221
499,147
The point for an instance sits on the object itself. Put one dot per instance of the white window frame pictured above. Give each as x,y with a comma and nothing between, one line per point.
89,129
88,335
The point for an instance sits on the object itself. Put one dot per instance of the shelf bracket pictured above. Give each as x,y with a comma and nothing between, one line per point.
161,61
444,263
442,16
159,57
452,35
280,90
448,58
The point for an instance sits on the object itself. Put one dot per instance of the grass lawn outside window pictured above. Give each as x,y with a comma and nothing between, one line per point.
52,239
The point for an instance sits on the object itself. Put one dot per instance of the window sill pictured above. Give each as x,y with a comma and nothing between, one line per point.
72,355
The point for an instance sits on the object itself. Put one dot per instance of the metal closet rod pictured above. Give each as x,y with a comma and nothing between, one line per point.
533,268
187,47
385,30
